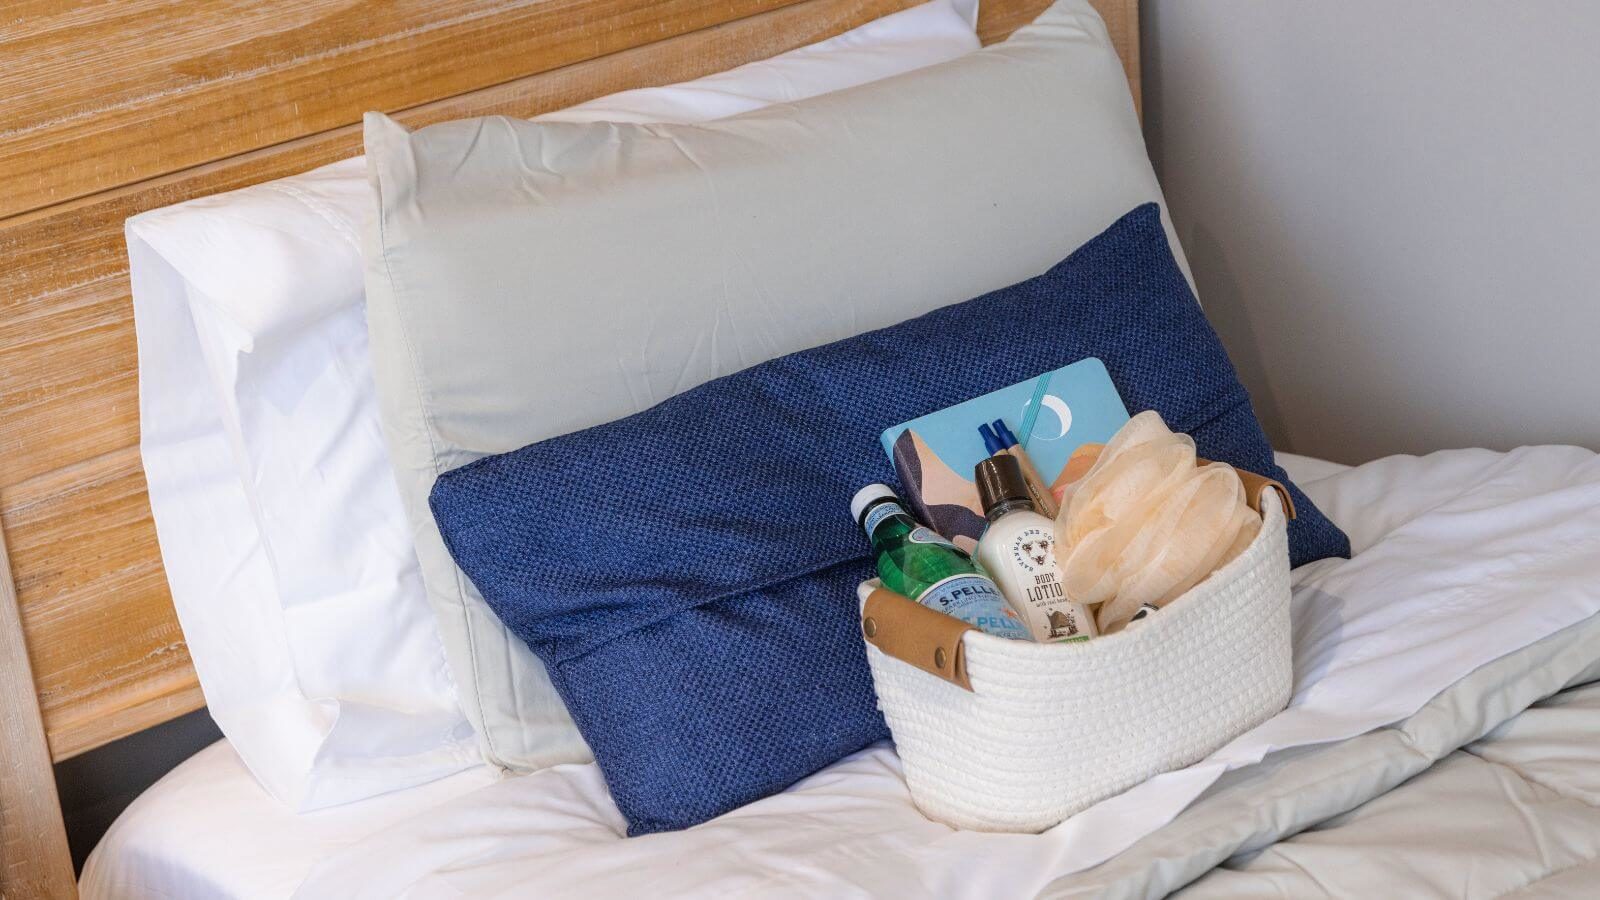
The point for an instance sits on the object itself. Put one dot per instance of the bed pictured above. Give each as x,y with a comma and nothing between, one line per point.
1528,784
1512,748
1506,737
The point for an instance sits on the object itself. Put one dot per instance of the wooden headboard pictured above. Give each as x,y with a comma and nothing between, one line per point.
110,109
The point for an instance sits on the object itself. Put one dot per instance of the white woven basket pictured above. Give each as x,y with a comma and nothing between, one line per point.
1050,729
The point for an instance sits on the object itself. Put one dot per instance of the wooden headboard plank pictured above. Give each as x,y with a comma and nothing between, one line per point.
34,861
108,655
135,90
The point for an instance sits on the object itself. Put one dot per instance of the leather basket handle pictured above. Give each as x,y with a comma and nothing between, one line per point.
917,635
1256,487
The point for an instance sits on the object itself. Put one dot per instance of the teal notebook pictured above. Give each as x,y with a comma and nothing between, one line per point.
1051,415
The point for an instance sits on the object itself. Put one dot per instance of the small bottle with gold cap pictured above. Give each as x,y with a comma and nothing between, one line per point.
1018,552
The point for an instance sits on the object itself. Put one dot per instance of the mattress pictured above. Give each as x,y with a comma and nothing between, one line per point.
1464,795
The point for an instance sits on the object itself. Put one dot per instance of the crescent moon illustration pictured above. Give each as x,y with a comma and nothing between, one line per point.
1063,412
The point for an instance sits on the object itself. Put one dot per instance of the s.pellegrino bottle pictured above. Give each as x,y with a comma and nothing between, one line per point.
915,561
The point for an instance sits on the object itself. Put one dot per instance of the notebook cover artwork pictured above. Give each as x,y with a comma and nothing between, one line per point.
1052,415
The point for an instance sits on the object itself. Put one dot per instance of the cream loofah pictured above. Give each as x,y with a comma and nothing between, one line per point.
1146,522
1050,729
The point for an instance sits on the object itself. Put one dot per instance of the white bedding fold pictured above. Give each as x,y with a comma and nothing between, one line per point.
1463,557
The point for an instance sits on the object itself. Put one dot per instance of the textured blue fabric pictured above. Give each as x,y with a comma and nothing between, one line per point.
688,574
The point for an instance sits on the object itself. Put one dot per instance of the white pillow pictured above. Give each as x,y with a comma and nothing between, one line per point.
285,542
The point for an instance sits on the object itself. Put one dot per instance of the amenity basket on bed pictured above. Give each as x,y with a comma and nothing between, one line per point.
1000,735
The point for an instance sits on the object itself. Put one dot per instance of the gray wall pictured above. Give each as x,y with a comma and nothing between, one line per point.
1392,211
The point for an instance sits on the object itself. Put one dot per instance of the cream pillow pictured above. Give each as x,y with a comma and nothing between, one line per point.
528,279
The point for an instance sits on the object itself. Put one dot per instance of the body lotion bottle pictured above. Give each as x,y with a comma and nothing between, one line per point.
1018,552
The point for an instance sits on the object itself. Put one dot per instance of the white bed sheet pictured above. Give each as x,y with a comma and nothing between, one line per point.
208,829
1451,548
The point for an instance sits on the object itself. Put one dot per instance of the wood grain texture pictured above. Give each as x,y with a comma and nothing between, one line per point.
104,643
34,861
114,107
123,91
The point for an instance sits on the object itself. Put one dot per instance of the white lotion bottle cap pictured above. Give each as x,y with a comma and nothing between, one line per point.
868,494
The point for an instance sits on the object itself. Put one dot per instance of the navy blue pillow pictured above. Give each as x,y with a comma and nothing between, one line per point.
688,574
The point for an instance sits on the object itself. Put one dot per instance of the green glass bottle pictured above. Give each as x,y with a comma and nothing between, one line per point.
915,561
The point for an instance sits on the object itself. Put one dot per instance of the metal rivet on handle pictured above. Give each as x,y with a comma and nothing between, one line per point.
870,627
938,657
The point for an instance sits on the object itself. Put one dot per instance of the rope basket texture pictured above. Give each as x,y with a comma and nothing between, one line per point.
1050,729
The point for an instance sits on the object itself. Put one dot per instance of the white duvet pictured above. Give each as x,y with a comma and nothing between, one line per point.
1461,557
